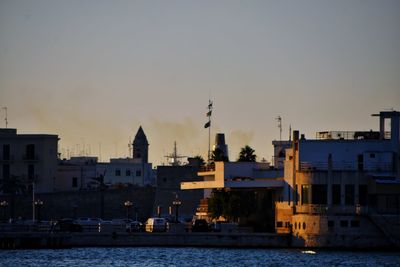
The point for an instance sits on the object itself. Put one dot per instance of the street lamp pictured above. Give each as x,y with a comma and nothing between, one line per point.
4,205
128,204
38,205
176,204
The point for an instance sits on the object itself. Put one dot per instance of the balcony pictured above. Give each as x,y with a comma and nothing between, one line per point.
30,158
331,210
7,159
346,166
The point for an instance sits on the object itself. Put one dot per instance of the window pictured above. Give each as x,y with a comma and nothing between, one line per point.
128,173
336,194
279,224
287,224
295,225
117,172
355,223
305,189
288,191
372,155
138,173
319,194
6,171
31,171
363,194
331,224
304,226
349,194
296,195
74,182
30,151
344,223
6,152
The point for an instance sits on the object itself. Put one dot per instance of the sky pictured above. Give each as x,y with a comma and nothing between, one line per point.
93,71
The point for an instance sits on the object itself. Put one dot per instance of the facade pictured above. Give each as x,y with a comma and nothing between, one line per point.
29,159
343,188
77,173
127,171
168,190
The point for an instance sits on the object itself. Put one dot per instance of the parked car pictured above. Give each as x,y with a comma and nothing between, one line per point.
156,225
88,221
66,225
200,225
130,225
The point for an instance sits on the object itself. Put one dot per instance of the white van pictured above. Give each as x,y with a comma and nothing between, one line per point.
156,225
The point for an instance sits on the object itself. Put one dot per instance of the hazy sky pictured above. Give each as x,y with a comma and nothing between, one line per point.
94,71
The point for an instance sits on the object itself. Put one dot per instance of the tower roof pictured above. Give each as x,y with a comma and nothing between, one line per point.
140,138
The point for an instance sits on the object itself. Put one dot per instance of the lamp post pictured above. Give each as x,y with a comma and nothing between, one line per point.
128,204
159,211
38,205
4,205
176,204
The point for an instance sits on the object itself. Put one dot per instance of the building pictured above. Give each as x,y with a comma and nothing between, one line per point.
131,171
28,159
169,179
343,188
77,173
127,171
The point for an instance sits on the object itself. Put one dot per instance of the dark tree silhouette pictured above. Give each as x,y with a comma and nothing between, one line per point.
200,160
218,155
247,154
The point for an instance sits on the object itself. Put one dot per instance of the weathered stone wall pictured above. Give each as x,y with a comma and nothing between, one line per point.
169,180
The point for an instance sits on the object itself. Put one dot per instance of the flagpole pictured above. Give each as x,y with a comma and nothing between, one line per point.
208,125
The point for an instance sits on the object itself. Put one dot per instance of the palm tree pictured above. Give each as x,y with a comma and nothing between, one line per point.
247,154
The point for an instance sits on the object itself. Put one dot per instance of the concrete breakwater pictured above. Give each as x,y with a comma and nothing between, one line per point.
120,239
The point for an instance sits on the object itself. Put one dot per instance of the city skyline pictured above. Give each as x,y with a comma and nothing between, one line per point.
94,71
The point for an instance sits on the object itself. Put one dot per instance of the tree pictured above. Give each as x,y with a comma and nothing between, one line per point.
247,154
218,155
200,160
215,204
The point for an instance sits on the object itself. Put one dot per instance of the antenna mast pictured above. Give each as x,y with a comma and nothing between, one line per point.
5,109
279,120
175,157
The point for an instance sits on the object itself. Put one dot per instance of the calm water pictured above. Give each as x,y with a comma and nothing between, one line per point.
193,257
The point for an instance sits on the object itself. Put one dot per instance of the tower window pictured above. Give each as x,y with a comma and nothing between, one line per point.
117,172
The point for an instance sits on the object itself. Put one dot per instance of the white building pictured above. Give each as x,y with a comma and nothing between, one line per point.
29,158
127,171
342,188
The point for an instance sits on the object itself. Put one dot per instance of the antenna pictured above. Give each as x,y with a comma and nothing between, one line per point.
130,148
174,157
279,120
6,119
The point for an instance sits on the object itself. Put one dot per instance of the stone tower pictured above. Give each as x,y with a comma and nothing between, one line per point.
141,146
